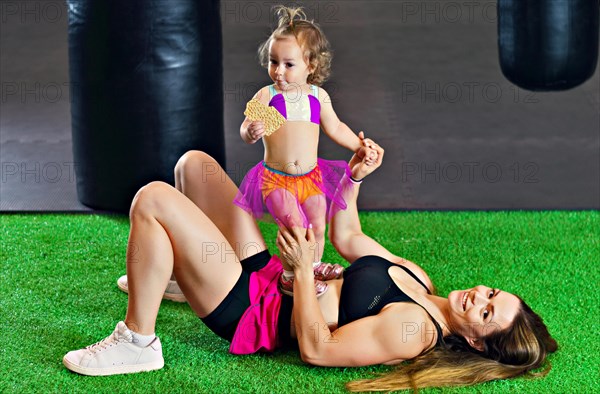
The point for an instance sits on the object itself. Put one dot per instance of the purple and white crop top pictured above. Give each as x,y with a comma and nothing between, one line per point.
296,106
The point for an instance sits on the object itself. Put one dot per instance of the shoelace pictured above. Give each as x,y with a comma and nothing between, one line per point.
106,342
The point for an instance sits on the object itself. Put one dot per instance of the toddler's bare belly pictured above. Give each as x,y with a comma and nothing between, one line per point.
293,148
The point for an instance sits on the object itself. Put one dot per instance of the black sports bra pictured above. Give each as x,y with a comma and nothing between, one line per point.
368,287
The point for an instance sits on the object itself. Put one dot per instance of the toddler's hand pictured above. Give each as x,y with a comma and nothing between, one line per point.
256,130
368,149
365,161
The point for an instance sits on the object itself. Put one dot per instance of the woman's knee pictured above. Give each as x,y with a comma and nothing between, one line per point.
195,162
149,198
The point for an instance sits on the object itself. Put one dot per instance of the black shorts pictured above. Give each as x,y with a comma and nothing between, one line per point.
224,320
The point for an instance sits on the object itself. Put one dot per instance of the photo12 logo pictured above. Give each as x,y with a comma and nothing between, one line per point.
32,11
261,12
37,172
434,12
35,92
469,172
223,252
238,92
463,92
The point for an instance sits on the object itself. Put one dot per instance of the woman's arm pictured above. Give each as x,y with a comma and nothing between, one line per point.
337,130
390,337
345,231
398,333
298,253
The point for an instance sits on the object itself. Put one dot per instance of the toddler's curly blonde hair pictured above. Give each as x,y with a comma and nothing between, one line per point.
310,37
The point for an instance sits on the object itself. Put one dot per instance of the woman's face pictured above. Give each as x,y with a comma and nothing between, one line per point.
480,311
287,67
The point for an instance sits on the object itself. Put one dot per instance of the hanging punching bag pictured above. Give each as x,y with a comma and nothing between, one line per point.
146,86
548,44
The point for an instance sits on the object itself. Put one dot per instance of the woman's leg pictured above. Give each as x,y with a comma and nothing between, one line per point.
201,179
170,234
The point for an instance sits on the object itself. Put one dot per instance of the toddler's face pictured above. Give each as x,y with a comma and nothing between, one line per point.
287,67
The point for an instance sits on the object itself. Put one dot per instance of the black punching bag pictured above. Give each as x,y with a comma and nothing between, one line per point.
548,44
146,86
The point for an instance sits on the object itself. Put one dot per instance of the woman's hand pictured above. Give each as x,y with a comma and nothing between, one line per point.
367,159
255,131
297,250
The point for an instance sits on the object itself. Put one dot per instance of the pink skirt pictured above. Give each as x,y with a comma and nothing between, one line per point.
261,181
257,328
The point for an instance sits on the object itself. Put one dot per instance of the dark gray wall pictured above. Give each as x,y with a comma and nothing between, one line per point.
421,78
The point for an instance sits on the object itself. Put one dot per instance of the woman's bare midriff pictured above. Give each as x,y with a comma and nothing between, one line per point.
297,144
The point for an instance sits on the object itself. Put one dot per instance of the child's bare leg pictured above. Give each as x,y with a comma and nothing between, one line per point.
315,209
284,207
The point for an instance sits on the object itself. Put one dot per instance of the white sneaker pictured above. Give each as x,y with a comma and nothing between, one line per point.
173,292
115,355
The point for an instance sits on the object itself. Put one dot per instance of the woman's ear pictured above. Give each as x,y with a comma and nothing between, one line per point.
475,343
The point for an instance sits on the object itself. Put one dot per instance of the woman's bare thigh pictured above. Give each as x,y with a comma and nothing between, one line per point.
201,179
205,263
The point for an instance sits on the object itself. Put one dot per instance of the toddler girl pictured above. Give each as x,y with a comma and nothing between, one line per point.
291,183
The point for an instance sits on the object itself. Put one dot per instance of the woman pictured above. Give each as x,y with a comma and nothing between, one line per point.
229,279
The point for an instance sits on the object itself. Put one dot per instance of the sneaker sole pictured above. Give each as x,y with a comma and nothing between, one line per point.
166,296
124,369
174,297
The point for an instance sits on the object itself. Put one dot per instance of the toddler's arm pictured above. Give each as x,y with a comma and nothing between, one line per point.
252,131
334,128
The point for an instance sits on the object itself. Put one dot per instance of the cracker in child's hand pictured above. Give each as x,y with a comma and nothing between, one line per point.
255,110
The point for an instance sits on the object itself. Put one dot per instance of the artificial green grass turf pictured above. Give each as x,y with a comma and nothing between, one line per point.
59,293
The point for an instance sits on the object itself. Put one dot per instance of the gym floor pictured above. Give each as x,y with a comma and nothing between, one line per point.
423,81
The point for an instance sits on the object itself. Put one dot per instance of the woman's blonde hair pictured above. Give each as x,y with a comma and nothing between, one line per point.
514,351
293,23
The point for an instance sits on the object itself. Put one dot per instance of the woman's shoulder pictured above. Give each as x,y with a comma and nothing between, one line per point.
412,325
418,271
